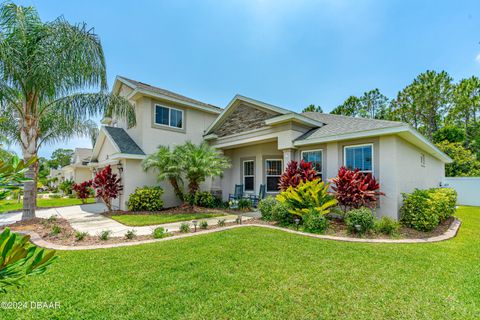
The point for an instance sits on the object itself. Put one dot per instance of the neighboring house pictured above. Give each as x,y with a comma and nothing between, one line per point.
55,177
260,139
78,170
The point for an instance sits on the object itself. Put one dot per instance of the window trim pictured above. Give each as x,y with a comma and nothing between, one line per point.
356,146
155,105
269,175
314,150
246,176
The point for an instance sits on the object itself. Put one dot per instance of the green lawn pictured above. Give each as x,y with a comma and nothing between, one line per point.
12,205
151,219
256,273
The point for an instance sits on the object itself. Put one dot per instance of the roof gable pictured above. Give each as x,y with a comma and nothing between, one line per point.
123,141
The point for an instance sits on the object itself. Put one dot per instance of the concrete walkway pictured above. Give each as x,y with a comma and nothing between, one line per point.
88,218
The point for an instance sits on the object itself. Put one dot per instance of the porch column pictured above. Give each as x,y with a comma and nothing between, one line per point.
288,155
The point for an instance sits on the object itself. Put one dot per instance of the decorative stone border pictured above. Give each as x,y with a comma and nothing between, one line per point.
450,233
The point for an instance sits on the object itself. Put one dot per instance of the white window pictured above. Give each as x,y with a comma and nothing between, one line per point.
170,117
249,175
359,157
315,157
273,171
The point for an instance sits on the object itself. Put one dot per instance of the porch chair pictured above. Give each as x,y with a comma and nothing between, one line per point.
261,195
238,193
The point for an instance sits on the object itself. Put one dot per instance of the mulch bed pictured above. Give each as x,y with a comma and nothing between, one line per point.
66,236
175,210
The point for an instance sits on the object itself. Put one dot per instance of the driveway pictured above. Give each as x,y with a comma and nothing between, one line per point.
88,218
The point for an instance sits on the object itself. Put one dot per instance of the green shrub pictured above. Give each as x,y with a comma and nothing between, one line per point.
244,204
266,207
55,230
203,224
130,234
221,222
184,227
423,210
360,220
52,218
66,187
387,226
203,199
80,235
281,214
146,199
315,221
159,233
105,235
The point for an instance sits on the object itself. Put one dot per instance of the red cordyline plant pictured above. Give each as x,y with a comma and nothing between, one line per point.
83,190
355,189
107,186
294,173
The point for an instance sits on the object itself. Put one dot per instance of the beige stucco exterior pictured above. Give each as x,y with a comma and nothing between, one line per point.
402,160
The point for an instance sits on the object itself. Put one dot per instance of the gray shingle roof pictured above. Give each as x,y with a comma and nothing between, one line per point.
124,142
168,93
335,124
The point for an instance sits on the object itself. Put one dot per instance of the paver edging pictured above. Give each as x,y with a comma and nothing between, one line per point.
449,234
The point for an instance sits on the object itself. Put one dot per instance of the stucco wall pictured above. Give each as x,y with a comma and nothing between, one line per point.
82,174
106,150
257,152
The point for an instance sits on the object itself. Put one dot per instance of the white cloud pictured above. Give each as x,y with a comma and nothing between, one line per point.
477,58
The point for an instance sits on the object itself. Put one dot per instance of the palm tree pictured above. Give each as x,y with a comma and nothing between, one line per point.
168,167
199,162
44,67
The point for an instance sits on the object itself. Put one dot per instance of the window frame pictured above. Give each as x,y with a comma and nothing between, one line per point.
269,175
357,146
321,158
169,116
247,176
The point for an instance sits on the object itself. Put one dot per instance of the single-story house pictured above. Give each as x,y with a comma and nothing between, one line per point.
260,139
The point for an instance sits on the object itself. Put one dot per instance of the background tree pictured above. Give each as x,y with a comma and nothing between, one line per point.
313,108
44,66
372,104
60,158
465,163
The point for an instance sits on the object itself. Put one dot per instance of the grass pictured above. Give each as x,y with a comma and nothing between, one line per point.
152,219
12,205
256,273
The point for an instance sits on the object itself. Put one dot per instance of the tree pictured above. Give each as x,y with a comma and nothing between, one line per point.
465,163
372,104
199,162
348,108
107,186
165,162
313,108
60,158
466,106
44,68
449,133
425,103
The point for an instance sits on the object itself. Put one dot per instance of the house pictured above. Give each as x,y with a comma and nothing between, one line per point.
260,139
55,177
78,170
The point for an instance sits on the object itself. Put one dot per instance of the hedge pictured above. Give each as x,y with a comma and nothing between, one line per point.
423,210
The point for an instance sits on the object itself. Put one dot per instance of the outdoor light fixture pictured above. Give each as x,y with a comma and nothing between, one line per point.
120,168
297,222
195,224
240,219
358,228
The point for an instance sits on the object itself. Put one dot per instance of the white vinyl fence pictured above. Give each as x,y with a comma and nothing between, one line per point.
468,189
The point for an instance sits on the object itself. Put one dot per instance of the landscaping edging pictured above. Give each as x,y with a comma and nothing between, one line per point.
450,233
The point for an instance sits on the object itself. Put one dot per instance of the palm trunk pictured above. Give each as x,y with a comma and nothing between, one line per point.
29,137
193,187
176,188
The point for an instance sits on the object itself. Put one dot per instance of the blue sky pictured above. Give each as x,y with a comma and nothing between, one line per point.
288,53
